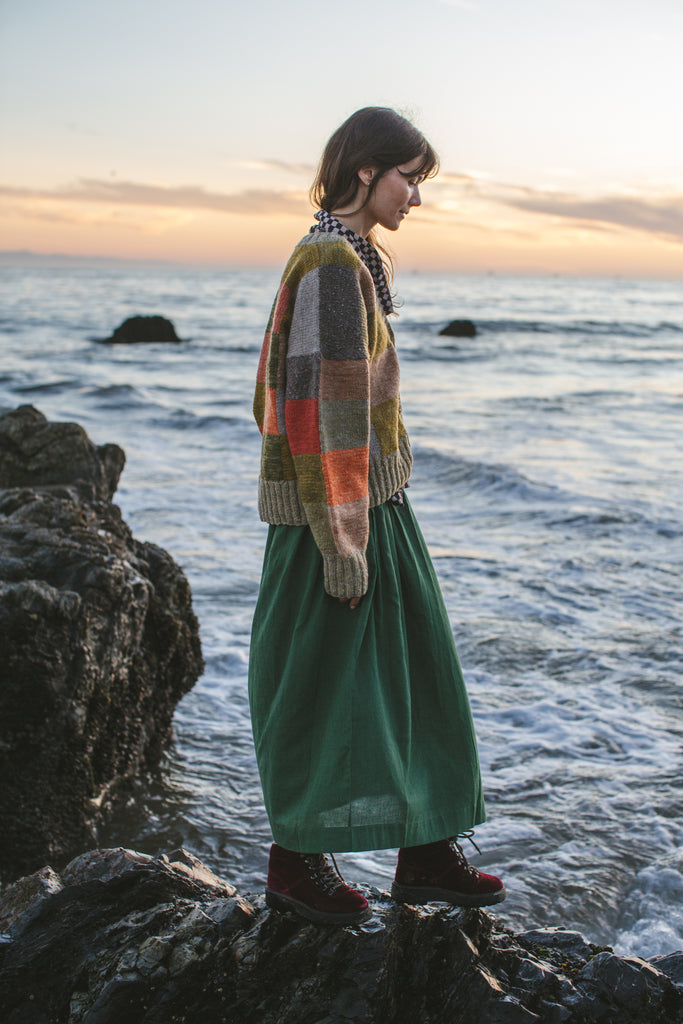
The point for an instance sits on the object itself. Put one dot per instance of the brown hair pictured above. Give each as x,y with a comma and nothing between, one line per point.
373,135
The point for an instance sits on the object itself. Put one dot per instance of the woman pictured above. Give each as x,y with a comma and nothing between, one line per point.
362,725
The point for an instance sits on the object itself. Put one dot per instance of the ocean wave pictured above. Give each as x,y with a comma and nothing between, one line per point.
49,387
182,419
481,478
623,328
508,325
119,396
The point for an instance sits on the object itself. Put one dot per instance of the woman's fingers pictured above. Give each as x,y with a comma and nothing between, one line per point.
353,603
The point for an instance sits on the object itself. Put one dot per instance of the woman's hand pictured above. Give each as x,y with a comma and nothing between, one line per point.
353,602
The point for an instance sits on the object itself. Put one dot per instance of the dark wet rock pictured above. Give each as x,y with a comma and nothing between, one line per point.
459,329
139,329
98,642
670,964
124,936
36,453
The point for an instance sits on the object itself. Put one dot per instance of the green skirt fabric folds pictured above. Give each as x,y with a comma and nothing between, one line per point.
362,726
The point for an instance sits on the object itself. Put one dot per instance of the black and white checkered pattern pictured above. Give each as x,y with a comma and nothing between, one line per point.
365,249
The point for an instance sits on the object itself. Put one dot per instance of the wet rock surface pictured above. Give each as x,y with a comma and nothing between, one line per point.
123,936
140,329
98,642
459,329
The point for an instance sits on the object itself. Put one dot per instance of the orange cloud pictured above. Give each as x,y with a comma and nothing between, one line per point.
189,197
466,223
658,215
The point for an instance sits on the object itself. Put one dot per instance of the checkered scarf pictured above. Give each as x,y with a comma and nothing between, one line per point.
366,250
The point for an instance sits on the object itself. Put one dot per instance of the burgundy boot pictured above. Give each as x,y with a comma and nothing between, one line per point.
439,872
308,884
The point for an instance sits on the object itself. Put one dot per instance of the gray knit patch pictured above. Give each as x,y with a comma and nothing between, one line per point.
365,249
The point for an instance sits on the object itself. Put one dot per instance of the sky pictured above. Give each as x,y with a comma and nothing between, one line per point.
189,130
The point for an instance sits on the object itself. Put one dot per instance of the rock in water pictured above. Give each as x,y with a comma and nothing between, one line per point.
98,642
120,936
459,329
137,329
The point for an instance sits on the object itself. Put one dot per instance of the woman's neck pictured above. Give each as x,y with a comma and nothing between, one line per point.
358,221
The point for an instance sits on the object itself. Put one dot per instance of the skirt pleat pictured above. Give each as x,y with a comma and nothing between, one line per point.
362,726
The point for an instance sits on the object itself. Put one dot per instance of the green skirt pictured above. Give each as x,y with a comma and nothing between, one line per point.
362,727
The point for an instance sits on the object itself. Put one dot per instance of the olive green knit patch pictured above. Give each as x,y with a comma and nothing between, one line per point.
385,420
309,472
260,404
276,459
272,366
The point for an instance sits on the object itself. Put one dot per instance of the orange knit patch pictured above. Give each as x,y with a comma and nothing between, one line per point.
303,429
281,308
346,475
270,415
263,360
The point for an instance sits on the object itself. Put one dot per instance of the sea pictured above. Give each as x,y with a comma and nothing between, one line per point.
548,482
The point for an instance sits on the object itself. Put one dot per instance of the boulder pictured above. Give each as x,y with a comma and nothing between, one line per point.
35,453
121,936
139,329
459,329
98,642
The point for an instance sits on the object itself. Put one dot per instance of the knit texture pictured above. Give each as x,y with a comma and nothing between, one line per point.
365,249
327,405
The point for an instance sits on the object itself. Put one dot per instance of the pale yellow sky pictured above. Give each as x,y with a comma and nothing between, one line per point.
189,131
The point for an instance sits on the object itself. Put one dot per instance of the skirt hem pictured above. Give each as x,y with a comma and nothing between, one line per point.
357,839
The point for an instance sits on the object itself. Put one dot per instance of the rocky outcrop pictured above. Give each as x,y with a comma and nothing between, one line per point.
119,936
98,642
38,454
139,329
459,329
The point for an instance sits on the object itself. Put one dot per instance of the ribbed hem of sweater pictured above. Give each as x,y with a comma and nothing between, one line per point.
279,501
346,576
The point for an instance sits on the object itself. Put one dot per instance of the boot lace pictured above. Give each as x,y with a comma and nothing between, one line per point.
326,877
460,853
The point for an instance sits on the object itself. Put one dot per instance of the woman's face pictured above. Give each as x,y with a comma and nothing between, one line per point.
395,193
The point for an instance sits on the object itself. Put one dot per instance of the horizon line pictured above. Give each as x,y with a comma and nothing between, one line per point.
31,256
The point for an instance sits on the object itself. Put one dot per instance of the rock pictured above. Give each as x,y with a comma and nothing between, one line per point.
162,940
98,642
139,329
35,453
26,892
459,329
670,964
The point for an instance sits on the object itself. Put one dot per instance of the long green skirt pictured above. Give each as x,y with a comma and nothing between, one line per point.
362,727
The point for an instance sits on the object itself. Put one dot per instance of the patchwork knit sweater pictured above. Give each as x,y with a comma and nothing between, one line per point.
327,405
328,408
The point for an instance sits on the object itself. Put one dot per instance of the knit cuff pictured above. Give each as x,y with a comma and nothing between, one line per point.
346,576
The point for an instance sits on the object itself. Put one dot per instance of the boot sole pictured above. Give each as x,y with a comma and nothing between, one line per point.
276,901
432,894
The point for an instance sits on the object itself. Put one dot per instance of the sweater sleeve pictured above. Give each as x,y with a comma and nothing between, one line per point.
327,418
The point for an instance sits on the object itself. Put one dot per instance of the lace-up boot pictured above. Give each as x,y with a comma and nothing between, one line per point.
308,884
439,872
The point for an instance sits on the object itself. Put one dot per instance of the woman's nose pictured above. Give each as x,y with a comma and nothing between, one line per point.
415,199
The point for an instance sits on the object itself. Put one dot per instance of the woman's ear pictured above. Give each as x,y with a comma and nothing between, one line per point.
366,174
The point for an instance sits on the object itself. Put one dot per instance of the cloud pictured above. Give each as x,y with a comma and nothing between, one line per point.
187,197
660,215
280,165
455,195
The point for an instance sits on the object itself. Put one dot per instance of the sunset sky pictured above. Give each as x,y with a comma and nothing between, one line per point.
189,130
